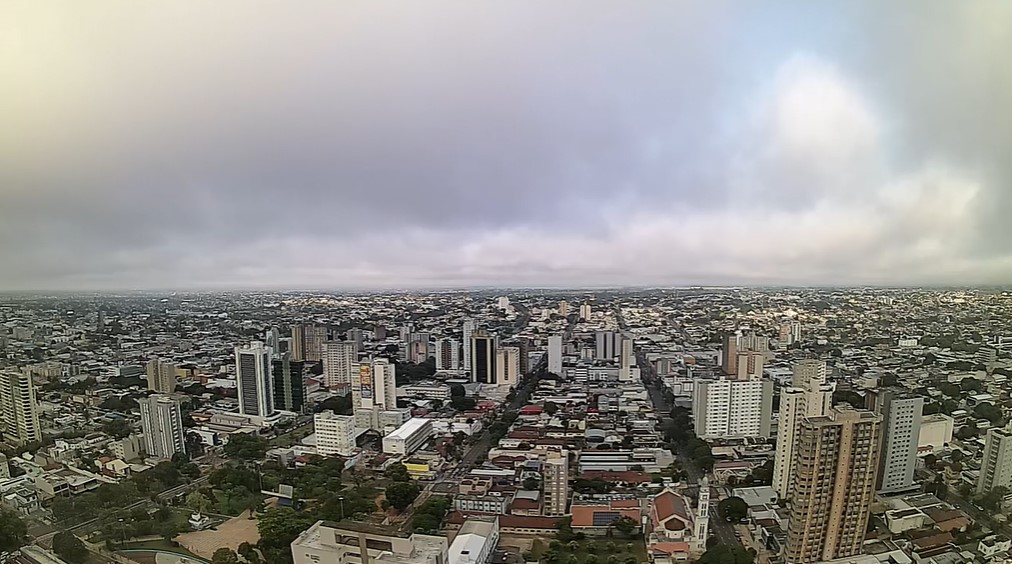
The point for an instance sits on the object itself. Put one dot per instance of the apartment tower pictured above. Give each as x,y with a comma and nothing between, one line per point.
339,359
996,466
162,423
254,380
556,484
901,429
161,376
809,395
19,411
290,390
482,357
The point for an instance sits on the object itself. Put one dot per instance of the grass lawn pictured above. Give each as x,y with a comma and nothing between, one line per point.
594,550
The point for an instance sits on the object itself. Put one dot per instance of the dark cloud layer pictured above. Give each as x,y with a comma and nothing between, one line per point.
382,144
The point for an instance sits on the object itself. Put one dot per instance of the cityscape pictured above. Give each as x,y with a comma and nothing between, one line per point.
505,282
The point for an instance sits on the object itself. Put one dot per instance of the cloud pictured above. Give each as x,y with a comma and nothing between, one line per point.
363,144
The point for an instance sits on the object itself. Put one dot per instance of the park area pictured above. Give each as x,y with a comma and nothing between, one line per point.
588,551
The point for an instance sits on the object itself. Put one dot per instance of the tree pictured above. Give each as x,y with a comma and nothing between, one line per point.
551,408
280,526
457,391
992,499
70,548
732,509
625,525
727,554
565,529
198,502
930,461
224,556
531,483
249,553
949,389
462,403
990,412
402,494
426,522
13,531
398,473
956,455
117,428
245,447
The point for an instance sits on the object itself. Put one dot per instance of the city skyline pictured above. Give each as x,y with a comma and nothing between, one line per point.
447,145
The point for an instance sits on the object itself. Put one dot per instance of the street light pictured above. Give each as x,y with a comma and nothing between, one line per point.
340,498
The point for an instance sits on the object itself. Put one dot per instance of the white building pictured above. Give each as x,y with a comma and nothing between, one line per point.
161,376
507,366
475,541
426,390
555,354
335,434
808,396
901,427
409,437
359,543
936,432
585,312
556,482
19,410
162,422
726,408
339,359
374,392
448,354
469,327
996,465
253,380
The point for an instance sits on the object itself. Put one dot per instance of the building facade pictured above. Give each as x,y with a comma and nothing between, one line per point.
359,543
161,376
732,408
555,354
335,434
409,437
901,428
507,366
809,395
468,330
339,359
162,422
483,351
996,465
447,354
290,388
19,410
556,482
253,380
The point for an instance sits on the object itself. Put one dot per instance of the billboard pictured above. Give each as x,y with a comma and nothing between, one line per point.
365,381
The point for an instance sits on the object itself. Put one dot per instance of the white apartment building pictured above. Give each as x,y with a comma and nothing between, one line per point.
936,432
409,437
507,366
162,422
809,395
339,359
426,390
725,408
556,482
996,465
19,411
475,541
373,392
360,543
555,354
468,330
253,380
335,434
161,376
901,427
585,312
448,354
625,360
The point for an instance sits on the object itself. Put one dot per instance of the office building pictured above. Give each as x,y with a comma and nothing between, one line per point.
335,434
727,408
507,366
353,542
835,466
162,423
729,354
253,380
289,383
555,354
19,409
339,360
409,437
469,327
447,354
809,395
585,312
161,376
996,465
556,482
901,428
524,344
482,357
298,342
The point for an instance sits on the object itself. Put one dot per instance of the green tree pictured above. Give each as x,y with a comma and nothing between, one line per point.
398,473
565,529
117,428
280,526
245,447
224,555
625,525
70,548
13,531
727,554
249,553
425,523
531,483
732,509
551,408
198,502
402,494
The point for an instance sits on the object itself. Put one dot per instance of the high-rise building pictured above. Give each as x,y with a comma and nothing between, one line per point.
161,376
272,338
482,357
335,434
339,359
725,408
525,354
564,308
447,354
316,336
253,380
507,366
289,383
469,327
809,395
585,312
996,465
790,333
356,337
835,467
749,365
556,484
162,423
503,302
607,345
298,342
625,358
5,469
19,411
555,354
374,391
901,428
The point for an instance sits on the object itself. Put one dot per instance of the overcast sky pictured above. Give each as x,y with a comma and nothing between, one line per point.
345,144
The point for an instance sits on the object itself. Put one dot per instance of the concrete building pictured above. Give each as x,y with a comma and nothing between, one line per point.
585,312
936,432
475,541
335,434
901,427
555,354
564,308
374,392
996,465
339,359
162,422
468,330
483,357
161,376
731,408
254,380
507,366
836,462
625,360
19,410
290,390
351,542
298,343
556,481
447,354
606,345
809,395
409,437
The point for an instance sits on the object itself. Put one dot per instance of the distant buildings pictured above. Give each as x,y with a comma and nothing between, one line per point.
339,359
808,396
162,423
482,357
835,466
19,411
585,312
996,465
253,380
374,392
161,376
606,344
468,330
564,308
555,354
625,358
335,434
289,383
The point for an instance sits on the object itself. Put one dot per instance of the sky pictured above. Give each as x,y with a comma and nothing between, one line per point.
528,143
